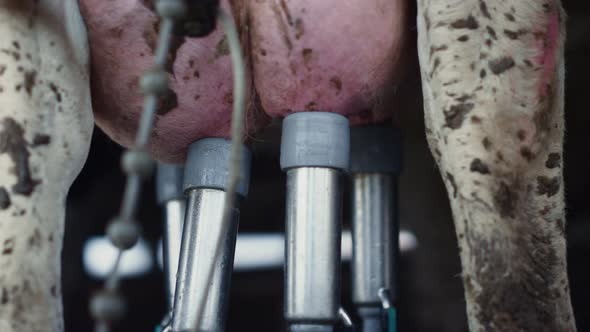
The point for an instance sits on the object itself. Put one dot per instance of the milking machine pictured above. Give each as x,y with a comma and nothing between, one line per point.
375,163
216,169
314,153
205,180
315,149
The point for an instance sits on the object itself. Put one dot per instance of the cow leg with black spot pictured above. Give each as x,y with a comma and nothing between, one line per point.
493,85
45,128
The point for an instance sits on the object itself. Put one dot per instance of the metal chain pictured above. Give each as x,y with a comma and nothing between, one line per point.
108,306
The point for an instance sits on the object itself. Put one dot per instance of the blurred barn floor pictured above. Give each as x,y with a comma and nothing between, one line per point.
432,294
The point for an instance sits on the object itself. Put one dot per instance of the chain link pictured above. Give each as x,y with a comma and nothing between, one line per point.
108,305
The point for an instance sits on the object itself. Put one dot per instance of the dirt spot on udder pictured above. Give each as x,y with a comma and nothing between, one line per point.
228,98
336,83
299,29
222,48
307,54
167,103
293,67
116,32
13,143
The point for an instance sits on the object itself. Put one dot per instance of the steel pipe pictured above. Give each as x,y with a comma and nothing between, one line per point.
375,166
170,196
314,153
205,179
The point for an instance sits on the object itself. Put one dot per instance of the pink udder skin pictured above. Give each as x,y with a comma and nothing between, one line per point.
122,37
330,55
548,55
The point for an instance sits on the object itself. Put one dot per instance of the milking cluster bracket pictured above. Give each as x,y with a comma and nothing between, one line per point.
201,204
194,18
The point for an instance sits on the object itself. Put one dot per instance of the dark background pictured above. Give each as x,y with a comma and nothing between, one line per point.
431,289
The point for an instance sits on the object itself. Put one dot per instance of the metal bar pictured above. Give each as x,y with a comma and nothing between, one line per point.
313,226
374,236
376,162
201,230
375,242
172,239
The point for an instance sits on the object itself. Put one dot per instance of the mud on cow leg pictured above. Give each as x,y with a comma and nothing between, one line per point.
493,78
45,129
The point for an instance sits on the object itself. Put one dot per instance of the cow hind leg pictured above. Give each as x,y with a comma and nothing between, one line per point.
45,128
492,75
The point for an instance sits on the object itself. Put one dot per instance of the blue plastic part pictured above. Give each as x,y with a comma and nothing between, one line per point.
207,166
375,149
315,139
168,182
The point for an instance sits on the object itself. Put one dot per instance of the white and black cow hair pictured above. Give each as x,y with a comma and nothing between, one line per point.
493,86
